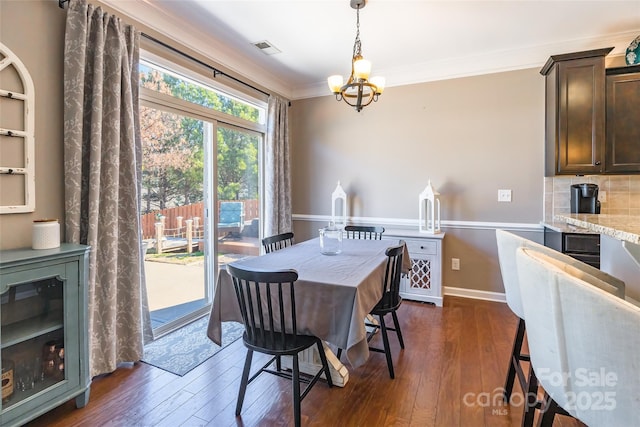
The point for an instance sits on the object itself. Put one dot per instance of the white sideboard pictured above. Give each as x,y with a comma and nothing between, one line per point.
424,282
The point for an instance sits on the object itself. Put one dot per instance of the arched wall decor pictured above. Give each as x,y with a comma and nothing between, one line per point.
17,170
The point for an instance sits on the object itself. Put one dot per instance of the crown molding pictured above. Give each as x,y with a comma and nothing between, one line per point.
147,13
486,63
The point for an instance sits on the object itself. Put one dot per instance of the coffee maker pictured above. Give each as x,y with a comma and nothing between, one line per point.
584,199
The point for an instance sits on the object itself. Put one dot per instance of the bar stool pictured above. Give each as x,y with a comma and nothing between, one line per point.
584,356
508,243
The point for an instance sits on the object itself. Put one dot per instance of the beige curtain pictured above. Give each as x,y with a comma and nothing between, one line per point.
277,169
102,163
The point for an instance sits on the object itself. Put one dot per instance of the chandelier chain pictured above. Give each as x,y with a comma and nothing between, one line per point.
357,46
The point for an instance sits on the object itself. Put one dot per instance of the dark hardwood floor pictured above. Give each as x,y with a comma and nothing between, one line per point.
449,374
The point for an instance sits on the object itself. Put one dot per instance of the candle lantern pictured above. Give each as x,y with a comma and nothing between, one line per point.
429,210
339,207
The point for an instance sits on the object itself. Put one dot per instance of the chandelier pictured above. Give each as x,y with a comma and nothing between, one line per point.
359,91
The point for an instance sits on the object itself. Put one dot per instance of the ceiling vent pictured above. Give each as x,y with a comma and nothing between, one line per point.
266,47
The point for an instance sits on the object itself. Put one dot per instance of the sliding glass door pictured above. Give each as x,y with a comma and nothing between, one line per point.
238,181
174,222
200,197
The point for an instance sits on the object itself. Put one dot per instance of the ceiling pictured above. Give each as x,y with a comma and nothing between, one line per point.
408,41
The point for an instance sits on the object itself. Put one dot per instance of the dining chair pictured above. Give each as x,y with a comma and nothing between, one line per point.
389,304
583,343
364,232
508,243
267,304
277,242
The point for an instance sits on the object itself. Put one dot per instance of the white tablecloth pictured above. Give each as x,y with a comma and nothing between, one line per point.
333,293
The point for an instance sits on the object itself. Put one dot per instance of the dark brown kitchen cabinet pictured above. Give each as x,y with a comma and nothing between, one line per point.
575,113
622,118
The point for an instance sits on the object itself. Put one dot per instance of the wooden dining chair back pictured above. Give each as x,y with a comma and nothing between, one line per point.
389,303
277,242
364,232
268,308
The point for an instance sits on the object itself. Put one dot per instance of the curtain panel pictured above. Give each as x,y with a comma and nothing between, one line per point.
277,173
102,163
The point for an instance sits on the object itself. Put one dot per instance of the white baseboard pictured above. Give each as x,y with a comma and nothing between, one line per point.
474,294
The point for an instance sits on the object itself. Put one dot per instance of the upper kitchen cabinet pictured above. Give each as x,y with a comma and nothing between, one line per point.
623,129
575,113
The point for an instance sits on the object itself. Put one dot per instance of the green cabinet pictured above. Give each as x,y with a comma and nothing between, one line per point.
43,331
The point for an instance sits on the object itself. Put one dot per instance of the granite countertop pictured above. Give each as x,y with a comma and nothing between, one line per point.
621,227
563,227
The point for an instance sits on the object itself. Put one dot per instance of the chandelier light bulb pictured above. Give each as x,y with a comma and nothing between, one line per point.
361,69
378,82
335,83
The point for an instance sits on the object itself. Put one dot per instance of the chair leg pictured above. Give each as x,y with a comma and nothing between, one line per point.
243,381
548,411
513,359
325,364
531,399
296,391
339,353
387,349
278,364
397,326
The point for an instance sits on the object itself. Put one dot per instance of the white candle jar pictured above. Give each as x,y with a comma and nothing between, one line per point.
46,234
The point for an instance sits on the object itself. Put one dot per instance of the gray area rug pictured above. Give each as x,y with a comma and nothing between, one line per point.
184,349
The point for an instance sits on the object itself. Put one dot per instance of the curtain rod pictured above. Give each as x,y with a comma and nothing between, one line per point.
216,72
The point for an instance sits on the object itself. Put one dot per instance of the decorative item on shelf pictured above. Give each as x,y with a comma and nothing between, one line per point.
46,234
632,56
330,240
429,210
359,91
50,359
339,198
60,358
7,380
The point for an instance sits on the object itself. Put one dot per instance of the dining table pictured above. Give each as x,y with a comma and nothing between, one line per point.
334,294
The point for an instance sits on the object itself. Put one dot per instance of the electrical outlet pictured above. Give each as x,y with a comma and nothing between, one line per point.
504,195
455,263
602,196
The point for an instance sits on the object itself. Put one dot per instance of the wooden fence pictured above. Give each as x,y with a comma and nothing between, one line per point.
174,218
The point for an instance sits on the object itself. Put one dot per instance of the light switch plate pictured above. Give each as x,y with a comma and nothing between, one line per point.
504,195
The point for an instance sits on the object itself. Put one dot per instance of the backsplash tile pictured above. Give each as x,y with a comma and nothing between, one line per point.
623,194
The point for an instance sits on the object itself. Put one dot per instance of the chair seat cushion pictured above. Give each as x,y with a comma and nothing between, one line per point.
292,344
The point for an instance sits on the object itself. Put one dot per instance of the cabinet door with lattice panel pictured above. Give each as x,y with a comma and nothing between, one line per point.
420,276
423,282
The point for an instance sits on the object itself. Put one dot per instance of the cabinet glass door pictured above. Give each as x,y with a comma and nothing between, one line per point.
32,338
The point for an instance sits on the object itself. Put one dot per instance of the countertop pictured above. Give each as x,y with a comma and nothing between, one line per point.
621,227
564,227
